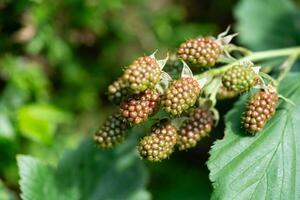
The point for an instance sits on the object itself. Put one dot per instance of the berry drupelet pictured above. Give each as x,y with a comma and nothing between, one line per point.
117,91
203,52
142,74
180,95
240,78
160,143
198,125
260,108
112,132
138,108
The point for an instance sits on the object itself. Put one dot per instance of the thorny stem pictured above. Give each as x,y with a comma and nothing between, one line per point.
256,57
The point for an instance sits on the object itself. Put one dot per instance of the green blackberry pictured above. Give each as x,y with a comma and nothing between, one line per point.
260,108
142,74
181,95
160,143
117,91
203,52
112,132
240,78
198,125
137,109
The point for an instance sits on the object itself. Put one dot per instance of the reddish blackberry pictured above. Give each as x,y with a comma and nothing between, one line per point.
202,52
112,132
137,109
160,143
260,108
117,91
240,78
142,74
198,125
181,95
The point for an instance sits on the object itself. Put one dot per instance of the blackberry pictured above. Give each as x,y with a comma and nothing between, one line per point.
198,125
224,93
181,95
112,132
117,91
260,108
240,78
138,108
203,52
142,74
160,143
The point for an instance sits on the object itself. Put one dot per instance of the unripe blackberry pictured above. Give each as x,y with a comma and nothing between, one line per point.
160,143
201,51
112,132
137,109
224,93
181,95
142,74
260,108
117,91
198,125
240,78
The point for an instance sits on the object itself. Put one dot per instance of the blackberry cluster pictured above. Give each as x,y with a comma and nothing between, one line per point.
260,108
112,132
142,74
240,78
224,93
201,51
181,95
160,143
137,109
117,91
198,125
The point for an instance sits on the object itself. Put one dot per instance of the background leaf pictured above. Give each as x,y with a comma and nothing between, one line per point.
264,166
268,23
87,173
38,121
5,194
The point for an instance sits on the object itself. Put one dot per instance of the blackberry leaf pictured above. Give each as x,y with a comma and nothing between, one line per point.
86,174
265,166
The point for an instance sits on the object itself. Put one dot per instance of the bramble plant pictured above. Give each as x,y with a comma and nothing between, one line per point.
182,110
141,100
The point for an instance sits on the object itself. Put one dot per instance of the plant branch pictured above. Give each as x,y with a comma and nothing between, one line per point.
287,66
240,49
257,56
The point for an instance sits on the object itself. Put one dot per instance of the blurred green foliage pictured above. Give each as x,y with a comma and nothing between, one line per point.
268,24
57,59
87,173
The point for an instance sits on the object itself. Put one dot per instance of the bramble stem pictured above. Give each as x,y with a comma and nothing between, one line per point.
257,56
287,66
240,49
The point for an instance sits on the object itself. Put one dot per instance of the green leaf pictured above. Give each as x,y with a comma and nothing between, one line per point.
267,24
38,181
5,194
87,173
7,130
264,166
24,76
38,121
